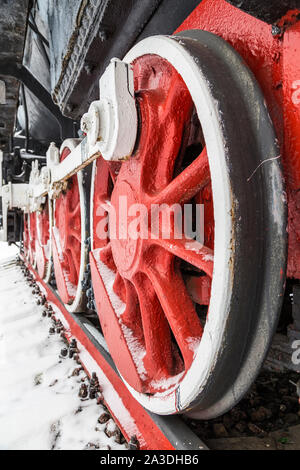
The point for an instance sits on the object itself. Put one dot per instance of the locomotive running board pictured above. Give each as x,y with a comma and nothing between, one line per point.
153,432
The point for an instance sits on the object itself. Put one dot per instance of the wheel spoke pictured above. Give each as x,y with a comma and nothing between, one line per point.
75,212
71,267
187,184
159,358
199,288
164,132
76,233
107,257
119,287
178,308
132,314
75,259
114,168
190,251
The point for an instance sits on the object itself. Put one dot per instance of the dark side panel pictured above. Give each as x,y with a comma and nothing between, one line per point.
86,34
12,33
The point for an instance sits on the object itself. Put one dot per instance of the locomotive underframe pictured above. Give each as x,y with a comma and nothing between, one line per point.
270,51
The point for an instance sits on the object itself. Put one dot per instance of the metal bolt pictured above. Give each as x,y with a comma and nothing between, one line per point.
88,68
64,352
83,391
73,348
103,418
69,108
102,35
100,399
118,436
276,30
89,293
76,358
77,371
134,443
85,124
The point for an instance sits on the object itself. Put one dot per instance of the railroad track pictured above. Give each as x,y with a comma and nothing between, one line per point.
141,429
253,416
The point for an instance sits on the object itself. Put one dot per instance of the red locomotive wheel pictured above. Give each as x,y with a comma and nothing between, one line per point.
43,242
26,240
68,237
188,325
32,238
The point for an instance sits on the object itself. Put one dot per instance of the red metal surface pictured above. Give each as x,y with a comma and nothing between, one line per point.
291,108
32,237
42,241
129,415
26,236
274,60
141,289
66,239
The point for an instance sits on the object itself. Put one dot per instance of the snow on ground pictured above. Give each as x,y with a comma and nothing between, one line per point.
39,403
7,251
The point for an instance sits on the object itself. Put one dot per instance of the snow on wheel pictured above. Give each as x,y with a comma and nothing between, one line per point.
188,325
69,233
43,241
